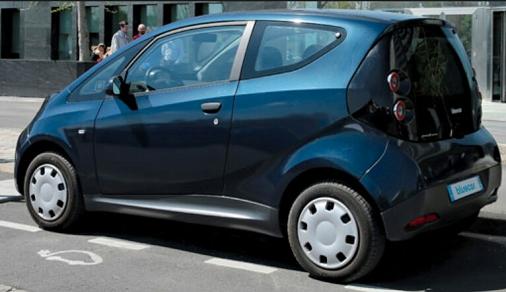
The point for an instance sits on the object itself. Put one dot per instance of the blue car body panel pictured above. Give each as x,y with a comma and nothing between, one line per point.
165,159
167,145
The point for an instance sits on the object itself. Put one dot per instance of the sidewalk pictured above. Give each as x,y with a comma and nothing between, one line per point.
493,111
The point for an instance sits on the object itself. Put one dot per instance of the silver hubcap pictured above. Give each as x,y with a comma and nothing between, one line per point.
328,233
48,192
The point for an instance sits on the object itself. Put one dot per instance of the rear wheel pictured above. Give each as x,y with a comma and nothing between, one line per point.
334,233
51,192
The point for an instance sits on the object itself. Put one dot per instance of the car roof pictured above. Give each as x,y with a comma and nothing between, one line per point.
323,14
338,17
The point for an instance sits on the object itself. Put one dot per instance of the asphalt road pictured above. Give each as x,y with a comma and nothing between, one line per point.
167,256
117,253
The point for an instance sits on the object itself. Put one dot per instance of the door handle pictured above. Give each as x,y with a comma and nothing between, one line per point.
211,107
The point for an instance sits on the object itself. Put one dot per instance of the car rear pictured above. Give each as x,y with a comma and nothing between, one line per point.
416,86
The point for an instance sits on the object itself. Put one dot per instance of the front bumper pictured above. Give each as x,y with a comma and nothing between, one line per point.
21,142
436,200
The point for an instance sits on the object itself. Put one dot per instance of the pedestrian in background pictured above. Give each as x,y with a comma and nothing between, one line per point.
141,31
121,37
99,52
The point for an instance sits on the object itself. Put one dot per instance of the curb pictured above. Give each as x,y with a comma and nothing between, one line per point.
489,226
492,215
5,199
21,99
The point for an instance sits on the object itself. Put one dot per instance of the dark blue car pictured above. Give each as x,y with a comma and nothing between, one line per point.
340,130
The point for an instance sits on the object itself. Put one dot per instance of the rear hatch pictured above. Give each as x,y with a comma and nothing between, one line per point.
416,83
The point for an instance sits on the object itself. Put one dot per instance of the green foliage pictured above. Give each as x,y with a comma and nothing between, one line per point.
465,33
338,4
62,6
431,62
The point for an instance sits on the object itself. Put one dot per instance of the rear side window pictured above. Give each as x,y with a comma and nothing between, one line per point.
279,47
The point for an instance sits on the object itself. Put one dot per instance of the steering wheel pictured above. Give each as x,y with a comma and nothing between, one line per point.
158,77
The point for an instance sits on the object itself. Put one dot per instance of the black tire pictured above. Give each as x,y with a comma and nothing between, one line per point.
371,236
74,208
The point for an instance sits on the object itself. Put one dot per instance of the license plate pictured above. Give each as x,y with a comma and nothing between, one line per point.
464,188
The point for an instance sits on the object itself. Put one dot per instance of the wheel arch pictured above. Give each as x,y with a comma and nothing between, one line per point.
311,176
41,145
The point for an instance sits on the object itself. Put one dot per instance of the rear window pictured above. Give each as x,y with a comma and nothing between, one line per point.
279,47
427,57
433,86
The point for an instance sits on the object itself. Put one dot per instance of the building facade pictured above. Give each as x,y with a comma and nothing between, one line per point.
39,38
483,33
47,30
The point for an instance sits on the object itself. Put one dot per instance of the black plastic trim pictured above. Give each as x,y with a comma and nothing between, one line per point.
435,200
212,210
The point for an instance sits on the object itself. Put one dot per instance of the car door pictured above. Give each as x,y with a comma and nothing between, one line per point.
175,141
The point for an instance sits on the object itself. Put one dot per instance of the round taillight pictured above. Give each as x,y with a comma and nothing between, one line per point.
394,81
400,110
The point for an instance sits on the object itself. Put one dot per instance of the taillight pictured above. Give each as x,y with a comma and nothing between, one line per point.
422,220
399,82
399,110
394,81
403,110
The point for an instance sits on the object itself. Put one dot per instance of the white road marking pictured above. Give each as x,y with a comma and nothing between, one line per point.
19,226
241,265
365,288
118,243
55,256
21,99
4,288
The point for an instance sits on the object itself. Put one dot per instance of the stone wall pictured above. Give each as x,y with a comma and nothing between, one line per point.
38,78
35,74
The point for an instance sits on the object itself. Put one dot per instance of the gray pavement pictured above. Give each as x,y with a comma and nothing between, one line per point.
117,253
17,112
177,257
494,111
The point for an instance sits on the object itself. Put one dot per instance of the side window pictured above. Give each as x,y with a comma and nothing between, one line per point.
98,83
279,47
94,86
192,57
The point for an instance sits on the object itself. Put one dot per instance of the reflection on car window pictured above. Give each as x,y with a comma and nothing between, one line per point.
99,82
192,57
283,45
93,88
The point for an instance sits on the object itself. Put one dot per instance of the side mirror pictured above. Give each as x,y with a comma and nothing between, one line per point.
118,88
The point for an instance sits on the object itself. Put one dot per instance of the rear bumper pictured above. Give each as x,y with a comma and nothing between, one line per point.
436,200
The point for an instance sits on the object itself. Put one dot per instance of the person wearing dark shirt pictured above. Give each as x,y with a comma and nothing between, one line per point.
141,29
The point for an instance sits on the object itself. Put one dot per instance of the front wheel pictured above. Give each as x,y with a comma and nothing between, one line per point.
51,192
334,233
